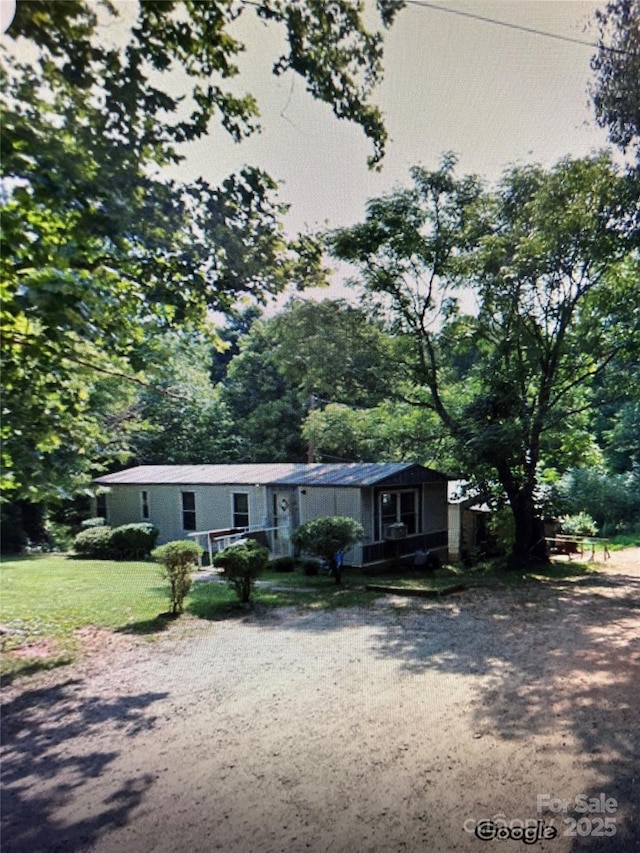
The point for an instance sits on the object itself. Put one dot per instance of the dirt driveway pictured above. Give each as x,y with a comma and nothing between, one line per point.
399,728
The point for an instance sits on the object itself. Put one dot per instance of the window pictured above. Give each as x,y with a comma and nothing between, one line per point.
188,510
388,510
399,507
408,511
145,504
240,509
101,506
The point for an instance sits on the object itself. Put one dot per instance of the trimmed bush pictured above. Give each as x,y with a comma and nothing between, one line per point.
328,537
94,543
241,564
283,564
178,560
310,568
133,541
98,521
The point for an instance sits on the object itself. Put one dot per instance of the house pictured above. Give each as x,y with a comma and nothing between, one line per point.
401,506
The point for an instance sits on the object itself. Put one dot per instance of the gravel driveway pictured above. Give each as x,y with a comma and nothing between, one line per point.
397,728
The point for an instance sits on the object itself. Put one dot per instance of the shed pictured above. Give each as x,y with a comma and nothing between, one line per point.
468,516
402,506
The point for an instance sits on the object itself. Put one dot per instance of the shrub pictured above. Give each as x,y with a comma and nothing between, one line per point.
178,560
94,543
502,526
59,536
580,524
133,541
310,568
241,564
283,564
327,537
98,521
612,499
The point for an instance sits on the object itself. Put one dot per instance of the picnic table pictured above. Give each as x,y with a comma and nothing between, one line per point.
565,543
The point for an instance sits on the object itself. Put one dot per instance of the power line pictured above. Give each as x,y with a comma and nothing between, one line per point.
531,30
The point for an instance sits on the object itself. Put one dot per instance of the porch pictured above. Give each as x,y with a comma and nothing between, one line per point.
275,539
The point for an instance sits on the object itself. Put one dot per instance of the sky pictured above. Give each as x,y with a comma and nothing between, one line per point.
494,95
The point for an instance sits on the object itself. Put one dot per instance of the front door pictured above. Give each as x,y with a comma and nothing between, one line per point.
282,514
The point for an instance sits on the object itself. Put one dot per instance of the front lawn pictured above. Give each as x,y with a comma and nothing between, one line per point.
46,599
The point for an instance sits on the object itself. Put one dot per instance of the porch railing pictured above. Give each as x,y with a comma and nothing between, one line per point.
276,538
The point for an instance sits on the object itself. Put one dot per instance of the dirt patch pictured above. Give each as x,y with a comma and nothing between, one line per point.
395,728
102,642
45,648
627,560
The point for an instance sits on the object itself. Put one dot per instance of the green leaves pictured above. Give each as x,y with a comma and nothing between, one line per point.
617,73
551,259
328,44
341,61
100,253
242,563
325,537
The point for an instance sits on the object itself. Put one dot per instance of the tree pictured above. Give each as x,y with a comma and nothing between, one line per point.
100,250
62,423
307,354
332,350
612,500
179,415
267,412
328,538
622,447
327,44
97,261
392,431
236,326
178,560
617,73
551,260
242,564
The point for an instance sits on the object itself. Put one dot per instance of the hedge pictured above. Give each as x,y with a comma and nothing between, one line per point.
127,542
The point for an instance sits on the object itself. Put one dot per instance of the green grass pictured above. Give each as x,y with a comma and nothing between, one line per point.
55,594
626,540
49,597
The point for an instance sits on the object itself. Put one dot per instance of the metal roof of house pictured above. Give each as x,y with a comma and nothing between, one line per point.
291,474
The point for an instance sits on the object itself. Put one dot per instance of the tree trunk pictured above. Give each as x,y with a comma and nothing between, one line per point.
529,542
246,590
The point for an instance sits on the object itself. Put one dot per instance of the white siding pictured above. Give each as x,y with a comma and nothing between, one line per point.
455,511
332,500
214,507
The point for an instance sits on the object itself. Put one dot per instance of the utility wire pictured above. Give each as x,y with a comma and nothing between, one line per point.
532,30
